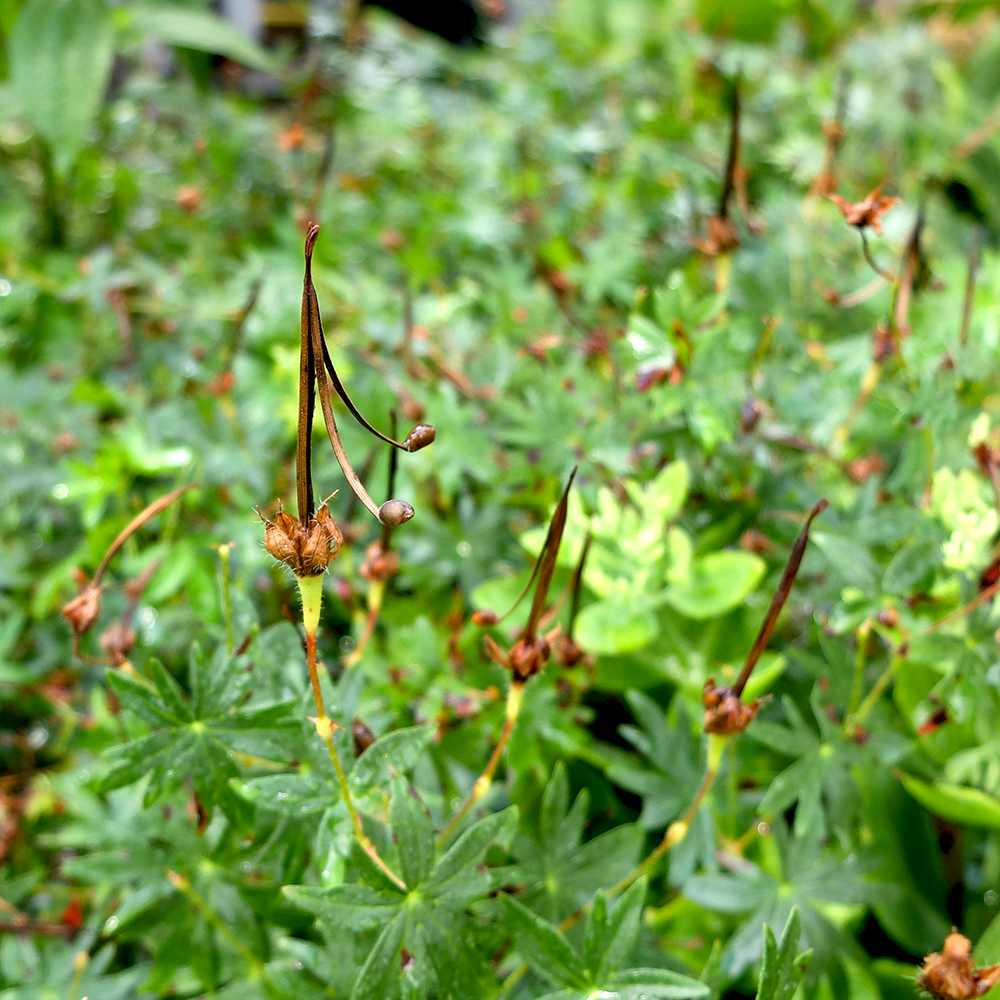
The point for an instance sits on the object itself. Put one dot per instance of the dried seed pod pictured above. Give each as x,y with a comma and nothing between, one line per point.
393,513
485,617
379,564
308,548
527,657
83,610
362,735
567,653
280,537
321,542
949,975
421,436
725,713
117,641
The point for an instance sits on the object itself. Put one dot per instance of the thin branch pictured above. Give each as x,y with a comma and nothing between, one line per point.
135,524
975,248
733,157
871,260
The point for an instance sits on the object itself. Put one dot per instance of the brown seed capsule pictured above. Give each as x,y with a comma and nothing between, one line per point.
117,641
83,610
527,658
949,975
567,653
485,617
306,549
421,436
280,537
393,513
379,564
363,737
725,713
321,542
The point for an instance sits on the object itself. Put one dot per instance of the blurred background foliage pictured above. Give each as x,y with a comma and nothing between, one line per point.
532,244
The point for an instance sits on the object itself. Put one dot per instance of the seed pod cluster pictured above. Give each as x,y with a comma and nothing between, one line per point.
726,714
307,548
83,610
949,975
527,657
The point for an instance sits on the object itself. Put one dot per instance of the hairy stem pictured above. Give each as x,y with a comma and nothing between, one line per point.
311,588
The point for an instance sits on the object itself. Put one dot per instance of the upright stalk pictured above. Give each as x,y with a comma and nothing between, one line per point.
481,785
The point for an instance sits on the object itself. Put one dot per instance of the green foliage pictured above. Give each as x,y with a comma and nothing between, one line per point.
517,246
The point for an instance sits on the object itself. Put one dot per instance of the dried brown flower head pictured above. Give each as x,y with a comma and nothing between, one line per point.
949,975
379,563
306,548
865,213
83,610
720,237
117,641
567,653
726,714
527,656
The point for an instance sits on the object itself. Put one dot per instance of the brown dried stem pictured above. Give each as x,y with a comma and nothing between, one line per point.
135,524
778,601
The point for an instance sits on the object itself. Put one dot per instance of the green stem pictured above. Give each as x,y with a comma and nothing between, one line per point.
858,717
482,784
80,960
376,591
864,630
227,604
311,589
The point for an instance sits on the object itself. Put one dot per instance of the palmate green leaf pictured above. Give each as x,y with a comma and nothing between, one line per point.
559,870
430,920
197,738
782,967
396,751
60,60
670,777
547,952
810,877
822,770
413,832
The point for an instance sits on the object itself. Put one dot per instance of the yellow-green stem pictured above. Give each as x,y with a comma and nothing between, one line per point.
858,717
482,784
676,832
227,605
80,960
311,589
376,591
864,630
